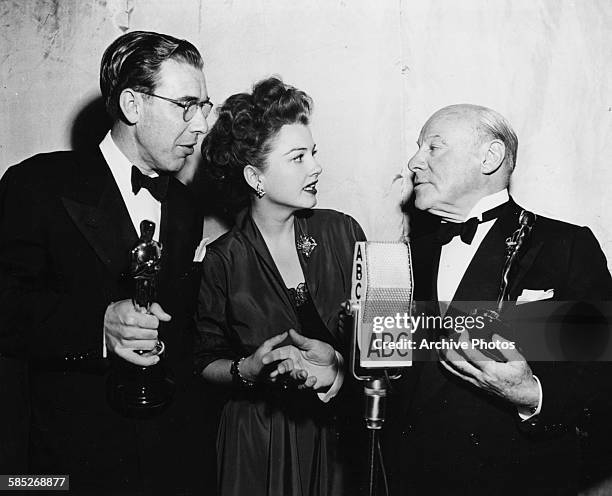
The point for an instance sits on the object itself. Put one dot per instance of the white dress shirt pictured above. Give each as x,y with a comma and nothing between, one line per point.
456,256
141,206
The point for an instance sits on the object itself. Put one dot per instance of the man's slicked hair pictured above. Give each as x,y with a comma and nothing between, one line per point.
495,125
488,124
134,60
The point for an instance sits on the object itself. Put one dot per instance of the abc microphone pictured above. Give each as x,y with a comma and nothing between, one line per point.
381,302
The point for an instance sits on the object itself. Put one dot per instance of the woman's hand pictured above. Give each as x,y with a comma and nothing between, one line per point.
310,361
251,367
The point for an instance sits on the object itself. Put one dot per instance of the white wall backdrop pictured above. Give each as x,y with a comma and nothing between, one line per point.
376,70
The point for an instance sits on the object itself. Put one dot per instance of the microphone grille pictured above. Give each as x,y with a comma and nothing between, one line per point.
389,276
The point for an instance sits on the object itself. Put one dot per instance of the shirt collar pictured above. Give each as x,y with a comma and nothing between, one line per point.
487,203
119,164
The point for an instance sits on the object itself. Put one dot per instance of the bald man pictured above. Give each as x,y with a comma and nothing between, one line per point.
471,423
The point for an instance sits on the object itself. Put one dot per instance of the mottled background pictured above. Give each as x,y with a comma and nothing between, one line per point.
376,70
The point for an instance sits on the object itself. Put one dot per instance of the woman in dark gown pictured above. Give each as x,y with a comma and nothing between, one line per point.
282,266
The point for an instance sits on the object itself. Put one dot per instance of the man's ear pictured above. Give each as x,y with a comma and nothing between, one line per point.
130,103
252,176
494,156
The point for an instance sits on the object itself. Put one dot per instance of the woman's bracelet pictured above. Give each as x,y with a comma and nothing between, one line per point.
237,377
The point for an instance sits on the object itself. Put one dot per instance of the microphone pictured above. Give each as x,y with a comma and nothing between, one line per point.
381,304
381,344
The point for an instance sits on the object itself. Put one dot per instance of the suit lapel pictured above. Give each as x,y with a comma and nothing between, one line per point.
94,203
480,283
524,264
482,278
179,232
424,378
426,255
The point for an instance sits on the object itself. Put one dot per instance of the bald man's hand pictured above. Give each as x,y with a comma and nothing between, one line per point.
511,380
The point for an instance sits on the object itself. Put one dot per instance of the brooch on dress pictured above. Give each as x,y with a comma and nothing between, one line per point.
306,245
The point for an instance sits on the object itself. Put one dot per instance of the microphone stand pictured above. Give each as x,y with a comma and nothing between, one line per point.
375,392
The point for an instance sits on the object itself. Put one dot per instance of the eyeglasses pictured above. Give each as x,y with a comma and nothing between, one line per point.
189,108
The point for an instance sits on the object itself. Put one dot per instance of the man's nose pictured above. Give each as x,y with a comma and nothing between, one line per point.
198,123
416,162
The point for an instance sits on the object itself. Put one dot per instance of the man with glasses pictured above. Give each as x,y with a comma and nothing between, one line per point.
68,221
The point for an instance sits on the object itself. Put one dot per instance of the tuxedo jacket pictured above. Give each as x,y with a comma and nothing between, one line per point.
456,439
65,238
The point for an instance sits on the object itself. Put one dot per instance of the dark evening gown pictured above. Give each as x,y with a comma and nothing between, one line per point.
275,440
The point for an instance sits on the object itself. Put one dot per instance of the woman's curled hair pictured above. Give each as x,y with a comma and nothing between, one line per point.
242,135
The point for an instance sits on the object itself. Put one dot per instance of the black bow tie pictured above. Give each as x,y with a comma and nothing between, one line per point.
157,186
466,230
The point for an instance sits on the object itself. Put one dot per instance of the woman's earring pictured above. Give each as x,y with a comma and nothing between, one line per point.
259,191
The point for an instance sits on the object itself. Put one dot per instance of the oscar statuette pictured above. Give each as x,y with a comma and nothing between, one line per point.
133,390
494,324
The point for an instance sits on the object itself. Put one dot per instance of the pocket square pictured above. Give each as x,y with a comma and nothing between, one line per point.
530,295
200,250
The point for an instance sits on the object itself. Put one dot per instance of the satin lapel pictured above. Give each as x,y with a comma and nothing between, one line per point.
426,258
179,241
530,253
93,201
483,276
251,233
425,376
480,283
